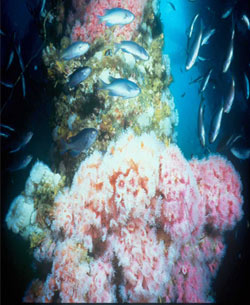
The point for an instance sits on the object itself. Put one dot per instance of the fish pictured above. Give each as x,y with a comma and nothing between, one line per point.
229,54
43,2
246,87
121,87
172,5
194,48
25,139
80,142
7,84
20,164
200,58
76,49
228,101
183,94
23,85
4,134
226,13
205,80
241,153
207,36
227,142
10,59
191,28
245,19
7,127
79,76
201,127
108,52
133,48
215,124
196,80
2,33
116,16
18,51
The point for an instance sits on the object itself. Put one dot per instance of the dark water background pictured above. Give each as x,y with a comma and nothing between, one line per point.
33,113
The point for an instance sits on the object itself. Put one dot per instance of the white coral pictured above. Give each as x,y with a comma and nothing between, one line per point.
19,214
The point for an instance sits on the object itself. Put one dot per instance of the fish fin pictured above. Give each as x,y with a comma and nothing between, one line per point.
100,19
15,150
109,24
117,47
103,85
111,78
64,147
74,153
112,94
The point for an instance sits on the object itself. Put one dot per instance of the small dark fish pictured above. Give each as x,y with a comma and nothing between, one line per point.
229,54
242,153
201,127
246,86
196,80
206,36
43,2
76,49
23,85
4,134
183,94
25,139
18,51
80,142
171,4
108,52
78,76
20,164
7,84
245,19
194,48
215,124
205,80
226,13
228,101
7,127
200,58
227,142
10,59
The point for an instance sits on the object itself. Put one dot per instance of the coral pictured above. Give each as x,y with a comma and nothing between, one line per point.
29,212
220,186
134,226
20,215
92,28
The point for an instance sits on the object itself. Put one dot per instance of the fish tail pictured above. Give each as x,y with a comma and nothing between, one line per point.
64,147
100,19
103,85
117,47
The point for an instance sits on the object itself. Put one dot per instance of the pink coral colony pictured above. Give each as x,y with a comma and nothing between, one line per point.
91,28
136,226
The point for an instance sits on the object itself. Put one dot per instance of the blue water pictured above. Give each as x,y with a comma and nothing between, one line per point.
33,114
176,24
